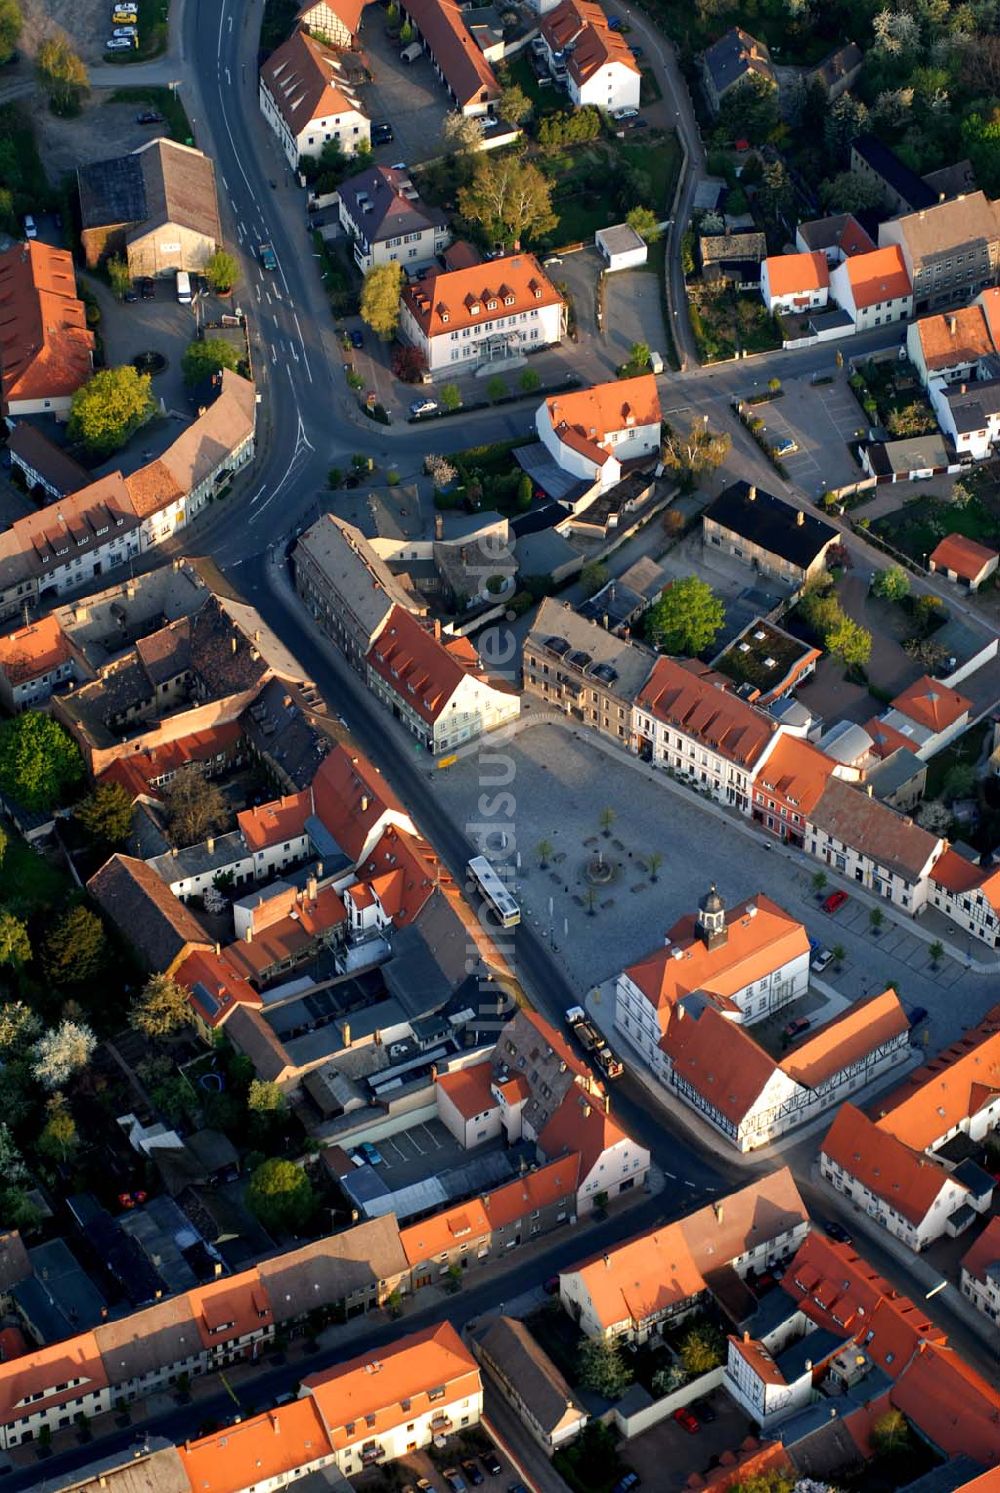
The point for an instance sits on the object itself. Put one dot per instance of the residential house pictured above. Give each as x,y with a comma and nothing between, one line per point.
969,414
956,1409
838,237
375,1410
347,587
436,685
484,313
964,561
353,1271
795,282
49,471
335,22
717,1068
768,534
48,1388
874,289
969,894
466,1104
161,930
284,926
34,661
981,1272
215,989
788,787
748,964
157,208
838,71
951,345
46,347
208,752
621,247
688,719
381,212
927,715
912,1198
578,667
531,1382
952,250
735,258
867,842
601,68
456,55
732,61
903,191
355,803
766,662
912,460
592,432
308,101
261,1452
636,1288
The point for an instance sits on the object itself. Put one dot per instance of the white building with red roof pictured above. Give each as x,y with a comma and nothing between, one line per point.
591,432
436,685
795,282
482,314
969,894
874,289
964,561
600,65
928,714
308,100
46,347
35,660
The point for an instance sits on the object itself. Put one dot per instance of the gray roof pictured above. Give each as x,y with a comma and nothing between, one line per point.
972,404
54,465
14,1262
132,1346
354,572
738,246
736,55
899,768
59,1299
777,526
917,453
631,663
111,192
334,1267
383,203
161,183
150,1465
199,860
146,912
509,1345
428,958
950,1477
948,225
910,187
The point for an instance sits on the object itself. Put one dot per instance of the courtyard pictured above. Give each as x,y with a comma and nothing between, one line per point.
820,419
627,853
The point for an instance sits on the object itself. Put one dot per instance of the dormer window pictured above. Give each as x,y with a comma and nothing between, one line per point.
538,292
444,316
508,300
491,305
475,308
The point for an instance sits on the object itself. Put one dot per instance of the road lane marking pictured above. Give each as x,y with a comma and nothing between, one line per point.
302,344
268,295
274,353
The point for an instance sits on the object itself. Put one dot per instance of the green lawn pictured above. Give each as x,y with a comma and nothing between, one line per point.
166,102
966,751
583,208
23,174
544,100
917,527
29,880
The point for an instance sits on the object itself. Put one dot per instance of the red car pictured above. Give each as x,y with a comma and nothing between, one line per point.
835,902
685,1418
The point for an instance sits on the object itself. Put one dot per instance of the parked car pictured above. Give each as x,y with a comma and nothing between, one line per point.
705,1412
150,117
517,1488
454,1479
382,133
785,447
130,31
614,23
131,295
637,124
123,16
30,229
267,257
472,1472
626,113
796,1027
423,407
687,1420
626,1483
835,901
837,1231
819,957
147,289
118,44
357,337
371,1155
491,1462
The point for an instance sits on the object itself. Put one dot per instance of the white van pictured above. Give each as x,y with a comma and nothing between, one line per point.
412,52
184,287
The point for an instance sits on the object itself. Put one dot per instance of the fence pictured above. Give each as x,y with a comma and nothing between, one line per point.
634,1422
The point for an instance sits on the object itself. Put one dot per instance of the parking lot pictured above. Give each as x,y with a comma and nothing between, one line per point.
562,782
666,1456
431,1464
422,1151
409,95
820,419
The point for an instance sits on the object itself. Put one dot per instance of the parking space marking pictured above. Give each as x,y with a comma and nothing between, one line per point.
437,1144
412,1139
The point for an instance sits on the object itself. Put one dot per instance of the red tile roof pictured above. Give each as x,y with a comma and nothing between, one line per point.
455,299
795,772
905,1179
216,987
466,71
269,1446
931,704
27,1384
540,1188
139,771
985,1252
469,1089
302,77
33,650
403,872
862,1027
230,1308
954,1085
594,413
353,799
955,337
957,875
581,1125
465,1223
963,556
878,276
273,823
46,350
719,1060
694,700
425,670
797,274
954,1407
287,935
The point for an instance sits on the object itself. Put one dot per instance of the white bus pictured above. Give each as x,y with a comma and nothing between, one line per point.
494,890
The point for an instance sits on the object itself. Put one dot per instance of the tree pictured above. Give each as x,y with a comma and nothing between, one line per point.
819,882
915,418
890,1433
544,850
644,222
593,576
39,762
686,618
161,1007
59,1137
515,105
510,197
380,298
106,814
959,781
281,1196
606,819
461,135
750,112
695,452
406,33
450,397
702,1348
961,495
204,358
19,1027
654,861
75,948
839,954
847,118
15,945
936,951
891,584
602,1369
222,271
266,1099
773,1481
119,275
10,27
61,74
638,361
876,918
848,193
12,1167
195,808
530,381
408,364
851,643
496,388
776,194
61,1052
109,408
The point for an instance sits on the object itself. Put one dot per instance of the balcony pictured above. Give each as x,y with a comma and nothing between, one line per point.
441,1425
371,1454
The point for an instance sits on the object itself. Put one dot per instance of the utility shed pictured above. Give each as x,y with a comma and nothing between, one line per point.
622,247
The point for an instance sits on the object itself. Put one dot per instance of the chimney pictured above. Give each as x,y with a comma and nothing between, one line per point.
800,519
210,844
870,789
218,950
311,888
720,1212
345,1033
439,526
586,1111
248,935
963,388
752,493
607,1262
232,642
953,324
